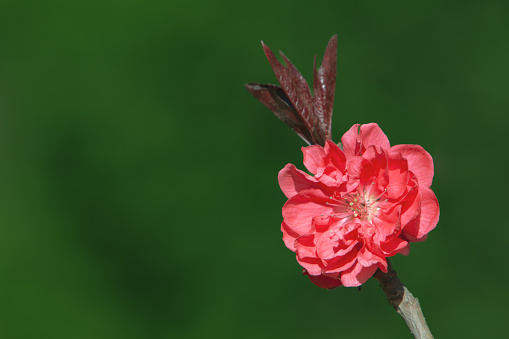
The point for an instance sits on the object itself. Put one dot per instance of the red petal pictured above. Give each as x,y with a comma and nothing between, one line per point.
305,246
349,140
405,250
378,173
356,140
306,254
292,181
328,246
342,263
372,134
410,205
313,158
430,211
398,175
357,275
335,155
367,259
420,162
387,224
289,236
298,211
312,265
393,246
324,281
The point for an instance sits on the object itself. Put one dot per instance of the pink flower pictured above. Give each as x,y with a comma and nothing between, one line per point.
364,203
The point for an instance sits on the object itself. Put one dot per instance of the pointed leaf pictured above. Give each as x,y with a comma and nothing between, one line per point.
276,100
324,85
303,100
299,95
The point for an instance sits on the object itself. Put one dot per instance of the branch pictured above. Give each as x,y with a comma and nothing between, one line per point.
403,302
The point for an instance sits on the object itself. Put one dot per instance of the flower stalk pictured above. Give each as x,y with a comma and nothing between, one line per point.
403,302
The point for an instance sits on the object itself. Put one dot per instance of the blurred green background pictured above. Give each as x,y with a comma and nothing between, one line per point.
139,190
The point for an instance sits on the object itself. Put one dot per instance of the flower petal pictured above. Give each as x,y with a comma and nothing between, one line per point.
335,155
398,175
328,246
306,254
298,211
292,181
314,156
367,259
327,163
357,139
289,236
349,140
342,263
387,223
394,246
420,162
324,281
430,211
410,204
357,275
372,134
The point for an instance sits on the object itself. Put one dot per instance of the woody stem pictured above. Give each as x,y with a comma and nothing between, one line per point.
403,302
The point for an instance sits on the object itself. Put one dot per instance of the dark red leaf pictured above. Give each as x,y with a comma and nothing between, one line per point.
276,100
309,116
324,85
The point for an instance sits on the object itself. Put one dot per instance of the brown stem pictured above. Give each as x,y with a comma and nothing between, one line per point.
403,302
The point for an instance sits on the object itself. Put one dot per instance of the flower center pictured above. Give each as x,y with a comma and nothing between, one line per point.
361,205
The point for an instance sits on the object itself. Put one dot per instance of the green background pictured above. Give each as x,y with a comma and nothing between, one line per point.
139,194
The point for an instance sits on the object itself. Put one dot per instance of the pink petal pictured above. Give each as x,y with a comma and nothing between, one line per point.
327,163
349,141
430,211
342,263
298,211
357,275
289,236
371,134
330,176
312,265
410,229
313,157
305,247
410,204
398,175
324,281
378,172
306,254
367,259
335,155
359,166
356,139
420,162
387,223
393,246
328,246
292,181
405,250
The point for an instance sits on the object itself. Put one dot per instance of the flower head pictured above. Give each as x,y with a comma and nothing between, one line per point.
364,203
